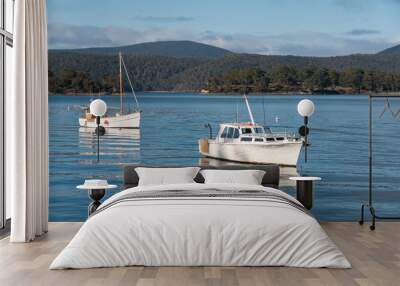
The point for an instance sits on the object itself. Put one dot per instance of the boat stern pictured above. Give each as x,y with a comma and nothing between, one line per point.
204,146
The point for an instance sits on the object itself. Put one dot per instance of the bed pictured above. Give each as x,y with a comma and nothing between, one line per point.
198,224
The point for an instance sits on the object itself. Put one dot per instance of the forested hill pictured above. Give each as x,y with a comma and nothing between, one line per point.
177,49
93,70
391,51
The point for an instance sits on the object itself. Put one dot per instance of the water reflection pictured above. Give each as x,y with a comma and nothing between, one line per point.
173,123
120,132
114,143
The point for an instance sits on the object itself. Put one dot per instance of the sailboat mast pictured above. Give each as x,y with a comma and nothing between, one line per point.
121,110
249,109
130,82
237,113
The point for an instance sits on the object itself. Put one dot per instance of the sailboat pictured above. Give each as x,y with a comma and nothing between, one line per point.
123,118
249,142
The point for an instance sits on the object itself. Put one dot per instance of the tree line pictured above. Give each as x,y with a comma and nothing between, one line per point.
93,73
286,79
289,79
71,81
87,73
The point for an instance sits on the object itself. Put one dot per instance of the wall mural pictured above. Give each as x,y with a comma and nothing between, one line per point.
164,76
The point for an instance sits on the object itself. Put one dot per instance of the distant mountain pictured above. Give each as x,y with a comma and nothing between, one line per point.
391,51
176,49
190,66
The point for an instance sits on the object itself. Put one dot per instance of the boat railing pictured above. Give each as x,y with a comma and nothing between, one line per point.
285,133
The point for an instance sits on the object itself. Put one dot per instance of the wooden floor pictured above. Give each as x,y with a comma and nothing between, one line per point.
375,257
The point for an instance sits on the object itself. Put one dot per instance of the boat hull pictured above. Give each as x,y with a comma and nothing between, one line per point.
285,154
131,120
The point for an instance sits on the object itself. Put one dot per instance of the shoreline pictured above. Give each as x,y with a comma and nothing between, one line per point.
388,94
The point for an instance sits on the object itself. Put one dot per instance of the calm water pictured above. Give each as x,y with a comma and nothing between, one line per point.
172,124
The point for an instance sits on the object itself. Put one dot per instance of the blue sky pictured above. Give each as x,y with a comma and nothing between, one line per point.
302,27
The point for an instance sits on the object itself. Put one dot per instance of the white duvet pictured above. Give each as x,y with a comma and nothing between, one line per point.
200,231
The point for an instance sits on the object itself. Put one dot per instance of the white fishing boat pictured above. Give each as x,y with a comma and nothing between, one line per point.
252,143
123,118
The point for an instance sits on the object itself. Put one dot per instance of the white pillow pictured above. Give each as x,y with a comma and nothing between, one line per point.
248,177
166,176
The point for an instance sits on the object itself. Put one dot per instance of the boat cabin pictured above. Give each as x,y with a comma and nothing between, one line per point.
248,133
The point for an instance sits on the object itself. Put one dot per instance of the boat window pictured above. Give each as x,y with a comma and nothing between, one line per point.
280,138
268,130
224,133
230,132
246,131
236,133
246,139
259,130
269,139
259,140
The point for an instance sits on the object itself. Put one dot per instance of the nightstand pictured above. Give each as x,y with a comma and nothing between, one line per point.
96,190
304,190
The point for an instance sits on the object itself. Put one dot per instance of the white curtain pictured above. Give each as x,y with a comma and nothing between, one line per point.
27,123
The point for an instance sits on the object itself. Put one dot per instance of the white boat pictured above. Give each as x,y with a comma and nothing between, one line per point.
122,119
252,143
130,120
130,133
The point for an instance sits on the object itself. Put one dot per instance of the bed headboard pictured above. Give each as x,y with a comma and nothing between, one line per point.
271,177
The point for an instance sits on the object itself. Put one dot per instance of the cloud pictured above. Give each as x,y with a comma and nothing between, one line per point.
164,19
362,32
360,5
304,43
71,36
351,5
66,36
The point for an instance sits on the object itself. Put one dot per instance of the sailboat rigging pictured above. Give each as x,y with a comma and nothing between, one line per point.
130,119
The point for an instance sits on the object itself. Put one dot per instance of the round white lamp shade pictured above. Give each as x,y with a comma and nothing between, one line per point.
98,107
305,108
